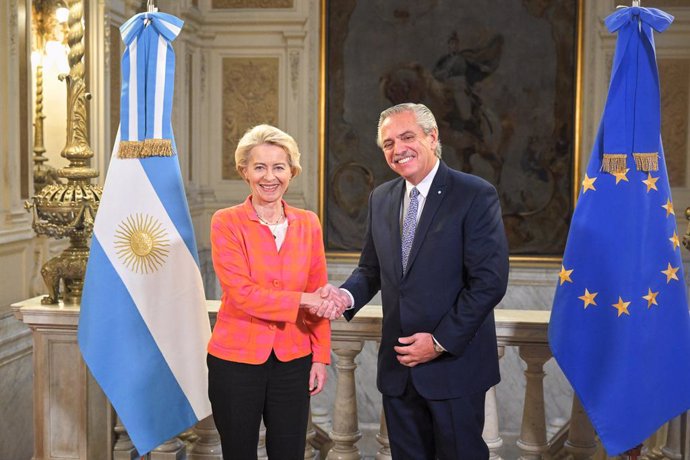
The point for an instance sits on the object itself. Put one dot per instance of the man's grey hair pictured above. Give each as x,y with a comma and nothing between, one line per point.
425,120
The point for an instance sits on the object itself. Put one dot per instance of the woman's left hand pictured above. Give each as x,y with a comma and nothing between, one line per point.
317,378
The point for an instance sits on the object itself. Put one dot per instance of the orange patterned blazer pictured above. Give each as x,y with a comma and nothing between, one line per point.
262,287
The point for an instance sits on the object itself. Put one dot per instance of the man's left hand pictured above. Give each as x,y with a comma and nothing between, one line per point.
416,349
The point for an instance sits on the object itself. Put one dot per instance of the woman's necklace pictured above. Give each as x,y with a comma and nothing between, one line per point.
272,226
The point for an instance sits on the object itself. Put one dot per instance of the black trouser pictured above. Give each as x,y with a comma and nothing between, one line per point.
241,394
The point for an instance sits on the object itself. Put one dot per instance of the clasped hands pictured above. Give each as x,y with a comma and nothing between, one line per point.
326,302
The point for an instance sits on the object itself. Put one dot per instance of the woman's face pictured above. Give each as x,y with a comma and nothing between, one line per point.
268,173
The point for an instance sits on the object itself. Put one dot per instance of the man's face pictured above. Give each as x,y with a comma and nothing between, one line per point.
408,151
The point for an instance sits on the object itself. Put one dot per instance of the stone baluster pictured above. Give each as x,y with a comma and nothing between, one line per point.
491,432
309,451
261,449
651,449
532,442
207,446
172,449
672,448
123,449
188,436
581,443
319,416
384,452
345,431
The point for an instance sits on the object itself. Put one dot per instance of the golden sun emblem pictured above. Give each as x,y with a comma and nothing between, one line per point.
141,243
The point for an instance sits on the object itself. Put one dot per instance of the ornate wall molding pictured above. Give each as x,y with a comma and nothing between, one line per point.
674,75
250,96
13,27
202,76
229,4
294,72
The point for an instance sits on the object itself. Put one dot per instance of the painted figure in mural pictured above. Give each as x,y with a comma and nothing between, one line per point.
467,125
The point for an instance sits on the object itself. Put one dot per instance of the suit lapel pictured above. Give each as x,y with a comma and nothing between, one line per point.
393,217
431,205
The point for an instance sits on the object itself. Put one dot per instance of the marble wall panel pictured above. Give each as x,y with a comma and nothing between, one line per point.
14,282
16,395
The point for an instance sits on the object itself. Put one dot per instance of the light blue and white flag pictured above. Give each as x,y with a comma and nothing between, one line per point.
144,327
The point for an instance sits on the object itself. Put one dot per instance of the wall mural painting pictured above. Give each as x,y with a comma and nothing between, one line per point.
500,77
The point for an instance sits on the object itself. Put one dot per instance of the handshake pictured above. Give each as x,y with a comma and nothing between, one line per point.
326,302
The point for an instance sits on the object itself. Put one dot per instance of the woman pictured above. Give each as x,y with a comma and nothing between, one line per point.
268,353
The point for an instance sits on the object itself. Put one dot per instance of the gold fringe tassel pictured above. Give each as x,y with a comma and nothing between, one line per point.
129,149
145,149
647,161
614,162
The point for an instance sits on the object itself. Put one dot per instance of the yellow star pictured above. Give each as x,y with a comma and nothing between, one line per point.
588,298
565,275
588,184
670,273
674,240
650,182
650,298
621,175
622,307
668,207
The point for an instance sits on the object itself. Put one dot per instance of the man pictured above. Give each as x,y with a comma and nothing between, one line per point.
435,246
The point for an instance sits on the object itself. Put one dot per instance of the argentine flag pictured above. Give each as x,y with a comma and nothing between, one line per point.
143,327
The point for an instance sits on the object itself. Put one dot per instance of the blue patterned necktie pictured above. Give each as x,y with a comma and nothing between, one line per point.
409,225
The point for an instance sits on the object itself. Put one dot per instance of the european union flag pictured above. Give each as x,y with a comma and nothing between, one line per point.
620,327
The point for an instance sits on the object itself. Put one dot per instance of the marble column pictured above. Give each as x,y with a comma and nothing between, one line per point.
72,417
345,431
532,442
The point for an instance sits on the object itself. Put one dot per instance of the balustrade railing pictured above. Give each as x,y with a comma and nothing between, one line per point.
525,330
337,437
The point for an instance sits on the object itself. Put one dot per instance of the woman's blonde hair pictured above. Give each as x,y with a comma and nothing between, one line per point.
267,134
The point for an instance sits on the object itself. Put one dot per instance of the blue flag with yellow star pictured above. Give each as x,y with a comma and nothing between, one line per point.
620,327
